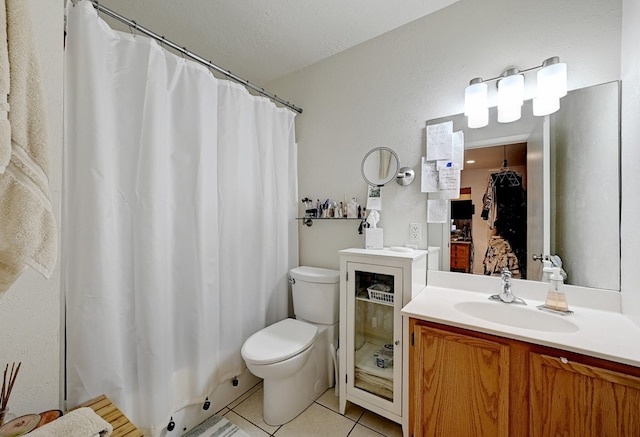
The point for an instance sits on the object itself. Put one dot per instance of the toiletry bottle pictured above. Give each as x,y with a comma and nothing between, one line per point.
547,270
352,208
556,298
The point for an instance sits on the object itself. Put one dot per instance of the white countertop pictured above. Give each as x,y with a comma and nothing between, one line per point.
606,334
401,252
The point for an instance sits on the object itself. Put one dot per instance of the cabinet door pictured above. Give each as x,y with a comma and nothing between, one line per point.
374,333
573,399
459,385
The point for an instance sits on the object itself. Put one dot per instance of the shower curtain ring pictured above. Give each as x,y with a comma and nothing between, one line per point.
96,5
135,26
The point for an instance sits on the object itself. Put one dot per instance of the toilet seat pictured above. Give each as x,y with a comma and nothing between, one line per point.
279,342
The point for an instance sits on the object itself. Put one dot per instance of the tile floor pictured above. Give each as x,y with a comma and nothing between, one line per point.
321,419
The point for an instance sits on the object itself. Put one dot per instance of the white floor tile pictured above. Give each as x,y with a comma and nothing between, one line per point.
363,431
222,412
317,421
245,395
381,424
245,425
251,409
321,419
330,400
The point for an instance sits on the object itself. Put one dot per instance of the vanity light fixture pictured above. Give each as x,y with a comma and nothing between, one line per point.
551,86
510,96
475,103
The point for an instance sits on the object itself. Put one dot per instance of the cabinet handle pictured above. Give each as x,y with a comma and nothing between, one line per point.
563,360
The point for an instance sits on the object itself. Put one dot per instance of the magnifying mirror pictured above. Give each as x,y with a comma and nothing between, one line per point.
381,165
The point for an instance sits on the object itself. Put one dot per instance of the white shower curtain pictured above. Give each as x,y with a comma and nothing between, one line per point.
179,195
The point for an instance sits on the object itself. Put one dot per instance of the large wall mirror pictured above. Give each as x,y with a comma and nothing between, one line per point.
559,179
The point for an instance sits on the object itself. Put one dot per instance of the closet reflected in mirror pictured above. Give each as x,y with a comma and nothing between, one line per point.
569,164
490,217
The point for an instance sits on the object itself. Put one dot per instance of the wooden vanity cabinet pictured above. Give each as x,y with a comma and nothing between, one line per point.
577,399
461,384
466,383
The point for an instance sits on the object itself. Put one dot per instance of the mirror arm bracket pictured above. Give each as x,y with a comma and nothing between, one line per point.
405,176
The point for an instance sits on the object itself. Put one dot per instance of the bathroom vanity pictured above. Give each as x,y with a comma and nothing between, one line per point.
505,388
374,286
478,367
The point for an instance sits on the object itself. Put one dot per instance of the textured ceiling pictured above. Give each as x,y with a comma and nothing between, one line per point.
263,40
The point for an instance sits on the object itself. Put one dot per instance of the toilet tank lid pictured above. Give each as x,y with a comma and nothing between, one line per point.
315,274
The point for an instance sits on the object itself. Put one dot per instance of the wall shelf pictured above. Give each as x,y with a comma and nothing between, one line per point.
308,221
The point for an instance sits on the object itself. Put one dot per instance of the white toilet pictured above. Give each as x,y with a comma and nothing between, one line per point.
296,357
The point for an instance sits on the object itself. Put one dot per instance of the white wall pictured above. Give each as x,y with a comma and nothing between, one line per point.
630,159
30,311
381,92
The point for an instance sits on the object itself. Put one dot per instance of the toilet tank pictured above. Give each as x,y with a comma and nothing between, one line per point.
316,294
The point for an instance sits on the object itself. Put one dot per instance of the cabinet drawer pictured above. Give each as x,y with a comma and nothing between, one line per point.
460,249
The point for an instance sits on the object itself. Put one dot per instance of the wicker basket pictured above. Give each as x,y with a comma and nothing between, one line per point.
376,294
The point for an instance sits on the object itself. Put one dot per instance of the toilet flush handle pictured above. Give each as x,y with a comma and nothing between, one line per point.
292,280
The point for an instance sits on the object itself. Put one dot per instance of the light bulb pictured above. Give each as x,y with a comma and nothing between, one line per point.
510,96
545,106
475,103
552,79
475,97
478,119
507,114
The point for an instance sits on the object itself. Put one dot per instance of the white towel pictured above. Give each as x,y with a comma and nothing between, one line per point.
82,422
28,232
366,361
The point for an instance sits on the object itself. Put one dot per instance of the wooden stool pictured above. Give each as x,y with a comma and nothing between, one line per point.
104,408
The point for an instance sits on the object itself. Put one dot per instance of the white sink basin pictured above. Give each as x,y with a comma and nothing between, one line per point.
517,316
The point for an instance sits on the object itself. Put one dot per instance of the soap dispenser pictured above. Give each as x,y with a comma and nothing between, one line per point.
547,270
556,299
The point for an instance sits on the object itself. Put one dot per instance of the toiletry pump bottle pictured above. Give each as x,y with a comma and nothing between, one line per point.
556,298
547,270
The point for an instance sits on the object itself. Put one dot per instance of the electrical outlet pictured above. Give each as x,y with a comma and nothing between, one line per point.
415,232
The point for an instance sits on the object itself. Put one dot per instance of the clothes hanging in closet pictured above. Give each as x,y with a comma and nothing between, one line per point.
499,255
505,209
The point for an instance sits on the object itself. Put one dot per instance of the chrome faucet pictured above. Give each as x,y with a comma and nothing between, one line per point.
506,295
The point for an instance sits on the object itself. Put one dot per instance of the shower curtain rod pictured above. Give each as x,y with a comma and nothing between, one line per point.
163,41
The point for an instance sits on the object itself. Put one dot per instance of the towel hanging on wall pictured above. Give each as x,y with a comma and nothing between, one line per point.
27,224
5,127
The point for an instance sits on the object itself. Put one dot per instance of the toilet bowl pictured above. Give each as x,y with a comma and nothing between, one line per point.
295,357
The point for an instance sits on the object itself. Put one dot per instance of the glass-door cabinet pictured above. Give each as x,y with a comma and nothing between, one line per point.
375,285
373,334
